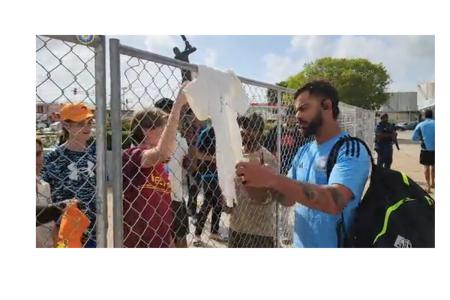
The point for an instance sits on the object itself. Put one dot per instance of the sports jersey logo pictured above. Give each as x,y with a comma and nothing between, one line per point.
402,242
321,163
75,171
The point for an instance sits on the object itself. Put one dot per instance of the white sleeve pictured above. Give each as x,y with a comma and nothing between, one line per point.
239,99
196,93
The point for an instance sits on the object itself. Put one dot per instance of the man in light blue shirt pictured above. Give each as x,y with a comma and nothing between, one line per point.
424,133
321,203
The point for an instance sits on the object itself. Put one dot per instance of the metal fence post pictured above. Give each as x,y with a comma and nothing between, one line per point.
116,127
277,208
100,137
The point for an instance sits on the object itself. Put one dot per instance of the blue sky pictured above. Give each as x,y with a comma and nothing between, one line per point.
408,59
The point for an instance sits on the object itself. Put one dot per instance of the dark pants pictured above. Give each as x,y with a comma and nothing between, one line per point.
212,201
194,190
384,158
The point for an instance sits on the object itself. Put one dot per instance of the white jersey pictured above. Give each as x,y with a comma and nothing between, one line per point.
220,96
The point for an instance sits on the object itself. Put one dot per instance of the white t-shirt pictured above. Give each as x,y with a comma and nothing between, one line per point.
220,96
46,232
176,171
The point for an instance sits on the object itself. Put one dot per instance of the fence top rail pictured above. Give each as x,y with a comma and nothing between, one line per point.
130,51
75,40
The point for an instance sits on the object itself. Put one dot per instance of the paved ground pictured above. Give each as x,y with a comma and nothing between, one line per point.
406,160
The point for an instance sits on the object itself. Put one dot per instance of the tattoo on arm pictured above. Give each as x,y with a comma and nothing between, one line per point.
311,192
337,197
326,198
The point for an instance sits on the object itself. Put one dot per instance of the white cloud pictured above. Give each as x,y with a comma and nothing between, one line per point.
280,67
162,44
408,59
210,58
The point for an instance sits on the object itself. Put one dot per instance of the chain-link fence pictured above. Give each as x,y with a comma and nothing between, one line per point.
165,185
159,195
70,70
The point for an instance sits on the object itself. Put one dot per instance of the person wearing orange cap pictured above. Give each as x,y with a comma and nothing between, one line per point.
70,168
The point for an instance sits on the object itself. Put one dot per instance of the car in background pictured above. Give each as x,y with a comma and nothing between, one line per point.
406,126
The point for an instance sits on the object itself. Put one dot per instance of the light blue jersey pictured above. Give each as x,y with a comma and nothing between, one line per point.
314,228
424,132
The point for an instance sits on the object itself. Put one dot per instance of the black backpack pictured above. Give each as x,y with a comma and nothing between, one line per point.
394,212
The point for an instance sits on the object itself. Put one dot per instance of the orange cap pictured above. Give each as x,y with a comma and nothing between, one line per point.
75,112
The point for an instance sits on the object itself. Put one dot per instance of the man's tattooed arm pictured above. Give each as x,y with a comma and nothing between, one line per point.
331,199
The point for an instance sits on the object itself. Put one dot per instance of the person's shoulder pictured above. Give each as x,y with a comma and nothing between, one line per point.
353,148
55,153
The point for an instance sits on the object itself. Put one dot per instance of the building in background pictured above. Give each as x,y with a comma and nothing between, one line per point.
425,96
268,111
47,112
401,107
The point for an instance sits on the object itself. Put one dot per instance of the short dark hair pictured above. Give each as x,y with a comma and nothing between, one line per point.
429,114
324,89
253,122
385,115
165,104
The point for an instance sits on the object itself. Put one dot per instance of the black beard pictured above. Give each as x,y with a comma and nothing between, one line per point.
313,126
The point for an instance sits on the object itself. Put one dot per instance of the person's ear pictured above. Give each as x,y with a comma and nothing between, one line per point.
326,104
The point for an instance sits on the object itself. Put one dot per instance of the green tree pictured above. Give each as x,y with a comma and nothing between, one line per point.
272,95
359,82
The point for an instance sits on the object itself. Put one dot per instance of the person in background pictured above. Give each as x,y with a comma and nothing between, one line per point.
252,224
191,131
290,140
46,229
177,176
424,132
385,137
207,169
70,168
148,215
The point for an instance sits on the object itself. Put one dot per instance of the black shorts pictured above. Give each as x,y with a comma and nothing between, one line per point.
180,225
427,158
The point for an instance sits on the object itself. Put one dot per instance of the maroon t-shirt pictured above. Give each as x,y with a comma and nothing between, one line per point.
147,203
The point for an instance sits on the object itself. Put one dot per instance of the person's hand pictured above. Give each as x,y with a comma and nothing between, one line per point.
255,195
255,175
63,205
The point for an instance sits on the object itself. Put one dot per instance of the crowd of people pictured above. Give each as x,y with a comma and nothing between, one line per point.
172,161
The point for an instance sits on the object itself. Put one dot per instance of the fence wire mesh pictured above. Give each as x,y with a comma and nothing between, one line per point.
164,196
66,74
181,197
